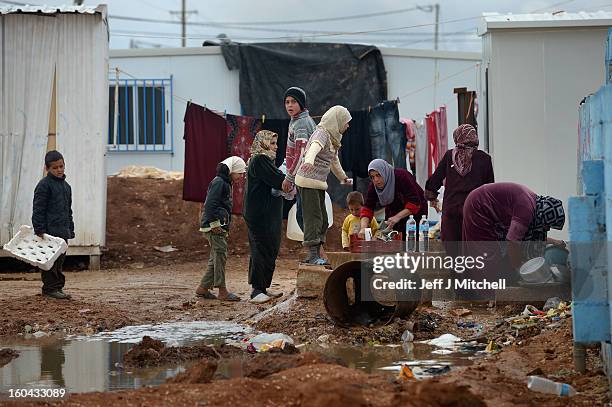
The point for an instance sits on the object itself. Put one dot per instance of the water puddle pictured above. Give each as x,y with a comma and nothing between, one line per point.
422,358
94,363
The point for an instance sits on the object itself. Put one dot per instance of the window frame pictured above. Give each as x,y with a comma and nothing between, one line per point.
135,85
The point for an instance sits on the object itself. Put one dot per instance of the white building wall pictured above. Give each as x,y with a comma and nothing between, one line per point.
200,74
537,79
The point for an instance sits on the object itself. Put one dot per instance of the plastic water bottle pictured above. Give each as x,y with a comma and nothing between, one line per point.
411,235
424,234
542,385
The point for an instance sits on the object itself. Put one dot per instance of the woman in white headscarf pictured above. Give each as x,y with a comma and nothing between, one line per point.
320,157
215,223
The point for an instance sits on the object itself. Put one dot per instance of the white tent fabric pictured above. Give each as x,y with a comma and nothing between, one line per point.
33,48
82,120
29,52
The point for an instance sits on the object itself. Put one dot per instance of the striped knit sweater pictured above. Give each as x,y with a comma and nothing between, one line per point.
300,129
320,153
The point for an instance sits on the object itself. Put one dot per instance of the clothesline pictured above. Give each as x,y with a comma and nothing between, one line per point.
263,117
441,80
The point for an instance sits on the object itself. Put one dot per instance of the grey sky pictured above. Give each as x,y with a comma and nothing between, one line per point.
267,17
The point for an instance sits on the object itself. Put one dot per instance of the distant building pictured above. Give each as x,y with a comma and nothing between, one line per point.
536,68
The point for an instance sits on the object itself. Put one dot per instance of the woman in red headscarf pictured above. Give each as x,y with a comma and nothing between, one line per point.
464,168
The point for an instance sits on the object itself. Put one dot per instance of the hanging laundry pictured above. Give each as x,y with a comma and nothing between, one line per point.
410,132
241,131
280,127
386,135
441,133
432,141
421,154
356,150
205,146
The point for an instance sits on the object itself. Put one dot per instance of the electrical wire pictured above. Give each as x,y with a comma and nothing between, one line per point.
320,20
440,80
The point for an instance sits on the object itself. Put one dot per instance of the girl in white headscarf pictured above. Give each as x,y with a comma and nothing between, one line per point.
216,217
320,157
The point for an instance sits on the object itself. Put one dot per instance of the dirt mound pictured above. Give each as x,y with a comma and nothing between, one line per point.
437,394
200,373
266,364
144,213
6,355
49,315
152,352
257,366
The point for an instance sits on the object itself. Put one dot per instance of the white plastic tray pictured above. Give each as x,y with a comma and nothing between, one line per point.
28,247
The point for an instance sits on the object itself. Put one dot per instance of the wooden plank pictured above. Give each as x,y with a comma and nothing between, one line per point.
51,141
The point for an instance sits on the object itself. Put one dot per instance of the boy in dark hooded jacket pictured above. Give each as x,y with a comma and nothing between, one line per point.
52,214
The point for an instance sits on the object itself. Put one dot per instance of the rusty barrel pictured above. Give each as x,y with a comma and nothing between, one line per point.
348,304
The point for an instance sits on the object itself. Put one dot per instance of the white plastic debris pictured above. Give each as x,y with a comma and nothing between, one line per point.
266,339
41,253
407,336
445,341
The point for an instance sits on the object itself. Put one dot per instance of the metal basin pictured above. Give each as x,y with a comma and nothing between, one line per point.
348,303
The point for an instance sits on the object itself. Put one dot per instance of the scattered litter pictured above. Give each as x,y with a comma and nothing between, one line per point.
469,325
444,341
460,312
436,371
543,385
27,329
39,334
323,338
407,336
165,249
405,374
426,324
442,352
531,310
552,303
264,342
492,347
84,311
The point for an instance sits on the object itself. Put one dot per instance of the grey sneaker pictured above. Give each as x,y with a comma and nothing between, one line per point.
58,295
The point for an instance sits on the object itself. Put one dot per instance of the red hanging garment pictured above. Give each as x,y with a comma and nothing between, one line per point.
205,146
442,132
241,131
432,138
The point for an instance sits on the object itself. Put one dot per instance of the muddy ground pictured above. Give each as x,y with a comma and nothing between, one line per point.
140,285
